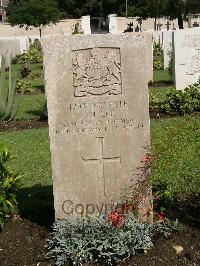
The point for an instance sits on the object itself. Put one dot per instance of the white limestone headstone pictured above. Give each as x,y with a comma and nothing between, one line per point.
86,25
97,99
156,37
9,48
167,47
112,23
187,57
24,44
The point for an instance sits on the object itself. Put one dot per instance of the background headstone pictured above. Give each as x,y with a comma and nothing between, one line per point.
86,25
98,110
167,47
113,23
24,44
187,57
195,24
9,48
157,37
148,37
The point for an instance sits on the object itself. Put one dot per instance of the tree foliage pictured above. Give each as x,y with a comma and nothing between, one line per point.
102,8
34,13
42,12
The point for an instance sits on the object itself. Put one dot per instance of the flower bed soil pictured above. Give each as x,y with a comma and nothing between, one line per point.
20,125
22,243
160,84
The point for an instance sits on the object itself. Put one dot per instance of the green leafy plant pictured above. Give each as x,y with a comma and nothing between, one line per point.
182,102
77,29
157,57
22,86
166,227
171,64
36,44
9,105
96,239
8,186
154,100
32,56
157,49
129,27
157,64
25,71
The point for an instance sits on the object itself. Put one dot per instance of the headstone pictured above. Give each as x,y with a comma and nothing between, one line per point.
167,47
159,26
24,44
157,37
187,57
86,25
189,22
112,23
98,111
168,25
195,25
9,48
148,37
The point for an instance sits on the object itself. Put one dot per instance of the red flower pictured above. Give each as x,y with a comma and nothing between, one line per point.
161,216
115,218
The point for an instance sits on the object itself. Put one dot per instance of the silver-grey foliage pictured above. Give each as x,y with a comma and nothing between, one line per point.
81,240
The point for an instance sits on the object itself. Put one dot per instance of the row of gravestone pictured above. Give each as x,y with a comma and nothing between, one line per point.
112,24
184,46
186,55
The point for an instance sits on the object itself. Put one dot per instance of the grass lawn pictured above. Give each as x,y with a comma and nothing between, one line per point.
36,79
32,156
175,147
31,107
162,76
160,92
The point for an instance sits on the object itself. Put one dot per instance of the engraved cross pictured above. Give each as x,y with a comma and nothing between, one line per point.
102,160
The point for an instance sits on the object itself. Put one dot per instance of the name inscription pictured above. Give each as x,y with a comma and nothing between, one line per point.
94,117
191,41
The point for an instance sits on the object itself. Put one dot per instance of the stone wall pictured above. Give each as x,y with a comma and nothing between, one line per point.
63,27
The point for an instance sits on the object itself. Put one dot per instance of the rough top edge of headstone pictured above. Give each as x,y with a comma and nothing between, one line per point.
98,37
183,31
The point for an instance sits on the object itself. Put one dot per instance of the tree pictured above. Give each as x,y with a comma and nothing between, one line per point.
32,13
175,9
147,9
94,8
179,9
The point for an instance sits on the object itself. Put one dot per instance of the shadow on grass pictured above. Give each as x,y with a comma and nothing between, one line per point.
162,83
36,204
40,114
39,87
